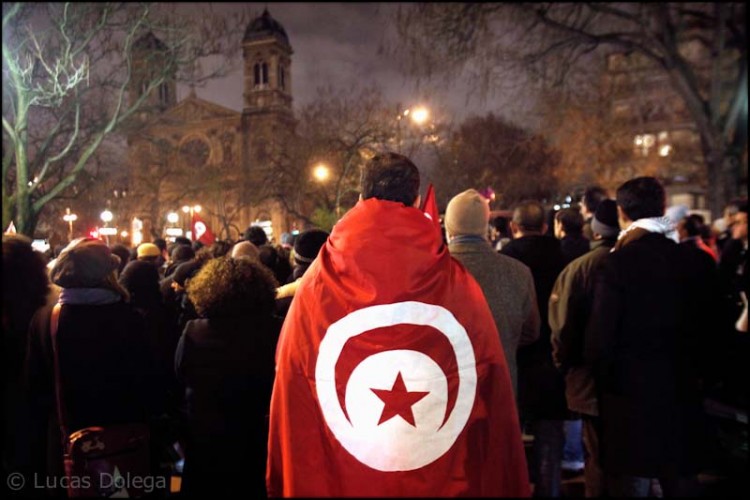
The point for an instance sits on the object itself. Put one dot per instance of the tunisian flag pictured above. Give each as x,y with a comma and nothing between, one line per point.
390,375
201,231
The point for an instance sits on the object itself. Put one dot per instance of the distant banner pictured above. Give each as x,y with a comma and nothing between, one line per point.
201,231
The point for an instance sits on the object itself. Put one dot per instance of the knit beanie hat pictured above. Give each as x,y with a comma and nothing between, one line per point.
605,221
148,250
308,245
468,213
84,263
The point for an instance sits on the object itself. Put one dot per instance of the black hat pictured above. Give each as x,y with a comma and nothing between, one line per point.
308,245
256,235
605,221
84,263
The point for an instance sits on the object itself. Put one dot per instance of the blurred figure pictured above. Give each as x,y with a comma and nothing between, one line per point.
245,249
690,231
541,387
648,340
25,290
569,230
124,254
180,253
148,252
502,227
592,196
306,249
105,366
225,362
255,235
723,227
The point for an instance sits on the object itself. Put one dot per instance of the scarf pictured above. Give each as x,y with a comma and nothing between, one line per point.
641,227
89,296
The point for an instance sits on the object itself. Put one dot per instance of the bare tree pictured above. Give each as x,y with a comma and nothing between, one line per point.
67,71
549,39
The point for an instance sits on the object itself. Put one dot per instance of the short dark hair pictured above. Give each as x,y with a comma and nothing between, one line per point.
592,196
161,243
642,197
694,224
390,176
571,220
529,216
256,235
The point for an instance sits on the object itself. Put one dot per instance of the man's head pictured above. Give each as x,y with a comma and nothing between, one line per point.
604,223
255,235
468,213
739,227
640,198
528,218
691,226
391,176
568,222
592,197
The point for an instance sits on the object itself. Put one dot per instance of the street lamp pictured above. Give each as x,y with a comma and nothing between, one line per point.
106,217
70,218
419,115
321,172
172,217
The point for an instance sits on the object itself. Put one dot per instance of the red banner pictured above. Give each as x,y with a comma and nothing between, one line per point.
201,231
430,208
390,376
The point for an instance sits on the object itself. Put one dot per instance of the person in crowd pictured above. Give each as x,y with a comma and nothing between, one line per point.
255,235
180,253
105,367
541,387
569,230
225,362
647,340
220,248
592,196
502,232
245,249
691,230
180,279
569,310
197,246
149,252
123,253
161,244
722,227
306,249
276,261
385,336
287,240
507,284
25,290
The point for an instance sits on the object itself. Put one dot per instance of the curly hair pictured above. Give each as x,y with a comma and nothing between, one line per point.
226,287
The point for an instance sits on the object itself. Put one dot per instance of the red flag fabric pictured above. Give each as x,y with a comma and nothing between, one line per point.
390,375
201,231
430,208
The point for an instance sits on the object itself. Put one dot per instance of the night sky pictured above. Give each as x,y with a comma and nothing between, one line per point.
338,43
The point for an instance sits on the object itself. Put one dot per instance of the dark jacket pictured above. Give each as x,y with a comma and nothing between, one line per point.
541,387
647,339
569,310
105,368
509,289
573,246
227,370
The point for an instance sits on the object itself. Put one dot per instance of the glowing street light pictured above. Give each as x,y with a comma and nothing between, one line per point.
420,115
70,218
173,217
321,172
106,216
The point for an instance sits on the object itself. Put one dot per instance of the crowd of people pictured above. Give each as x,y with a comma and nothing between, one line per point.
390,358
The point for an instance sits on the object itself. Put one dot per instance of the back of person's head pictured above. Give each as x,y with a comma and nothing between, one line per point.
392,177
232,288
161,244
141,280
604,222
308,245
256,235
124,253
148,251
571,221
186,271
87,263
693,225
245,249
220,248
197,245
181,253
181,240
592,196
641,198
25,282
467,214
529,216
500,223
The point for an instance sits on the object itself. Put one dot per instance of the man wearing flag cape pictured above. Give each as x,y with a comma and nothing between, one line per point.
390,376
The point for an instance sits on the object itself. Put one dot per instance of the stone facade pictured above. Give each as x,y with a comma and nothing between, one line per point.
195,152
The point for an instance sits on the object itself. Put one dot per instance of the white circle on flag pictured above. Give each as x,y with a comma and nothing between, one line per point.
394,444
200,229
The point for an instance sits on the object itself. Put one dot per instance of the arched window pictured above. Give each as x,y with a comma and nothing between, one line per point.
256,74
164,94
264,73
282,82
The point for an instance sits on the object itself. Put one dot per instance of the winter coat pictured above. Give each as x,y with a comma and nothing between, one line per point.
509,289
541,387
647,338
569,311
227,370
573,246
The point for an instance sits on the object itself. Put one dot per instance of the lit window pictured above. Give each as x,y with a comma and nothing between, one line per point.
638,141
649,140
665,150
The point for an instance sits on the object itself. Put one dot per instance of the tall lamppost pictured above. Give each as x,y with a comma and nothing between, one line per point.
106,217
419,115
191,209
70,218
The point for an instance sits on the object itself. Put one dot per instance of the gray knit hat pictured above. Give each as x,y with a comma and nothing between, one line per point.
605,221
84,263
468,213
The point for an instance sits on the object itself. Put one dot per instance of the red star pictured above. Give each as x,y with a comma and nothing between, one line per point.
398,401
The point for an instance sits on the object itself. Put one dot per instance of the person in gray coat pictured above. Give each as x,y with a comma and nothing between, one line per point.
507,283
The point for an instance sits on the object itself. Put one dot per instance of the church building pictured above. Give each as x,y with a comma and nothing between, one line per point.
195,155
